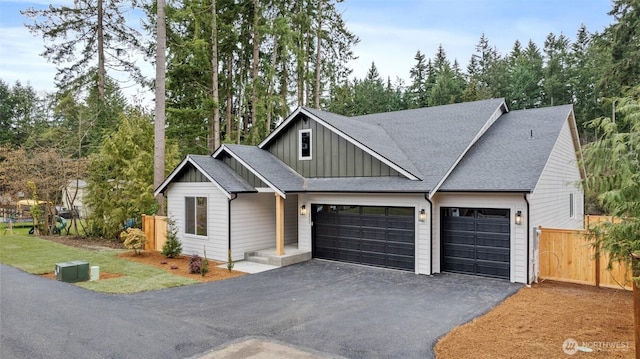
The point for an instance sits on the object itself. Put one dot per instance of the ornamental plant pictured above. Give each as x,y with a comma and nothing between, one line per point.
134,238
195,264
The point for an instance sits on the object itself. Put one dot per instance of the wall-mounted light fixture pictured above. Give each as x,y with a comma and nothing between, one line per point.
422,216
303,210
519,217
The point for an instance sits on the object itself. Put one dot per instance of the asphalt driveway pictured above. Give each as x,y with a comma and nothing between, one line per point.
327,308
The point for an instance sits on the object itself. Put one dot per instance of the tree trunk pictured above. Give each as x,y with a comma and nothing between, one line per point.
229,109
214,82
274,60
316,102
159,144
101,68
254,74
300,55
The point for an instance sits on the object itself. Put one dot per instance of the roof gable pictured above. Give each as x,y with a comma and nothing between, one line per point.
435,139
216,171
265,166
331,155
357,134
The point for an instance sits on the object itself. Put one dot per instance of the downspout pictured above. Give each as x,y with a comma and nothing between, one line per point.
235,195
528,242
426,197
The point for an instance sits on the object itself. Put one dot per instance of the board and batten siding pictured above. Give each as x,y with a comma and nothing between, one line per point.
216,240
417,201
513,202
190,174
247,175
550,200
331,154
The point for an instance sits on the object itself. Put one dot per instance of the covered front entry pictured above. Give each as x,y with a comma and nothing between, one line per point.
377,236
476,241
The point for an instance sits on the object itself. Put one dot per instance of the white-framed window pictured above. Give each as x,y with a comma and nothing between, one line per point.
195,215
304,144
572,212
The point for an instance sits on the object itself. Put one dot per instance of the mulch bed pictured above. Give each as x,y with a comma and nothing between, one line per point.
536,321
178,266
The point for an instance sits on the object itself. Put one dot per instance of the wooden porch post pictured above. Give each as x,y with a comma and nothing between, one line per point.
279,225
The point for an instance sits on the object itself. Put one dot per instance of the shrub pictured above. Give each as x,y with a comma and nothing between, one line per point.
229,261
195,264
204,268
134,238
199,264
172,247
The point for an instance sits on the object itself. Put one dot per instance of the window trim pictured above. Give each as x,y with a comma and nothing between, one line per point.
300,156
572,206
195,216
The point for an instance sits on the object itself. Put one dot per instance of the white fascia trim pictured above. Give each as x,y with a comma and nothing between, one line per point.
571,117
494,117
265,190
256,173
179,168
279,128
171,176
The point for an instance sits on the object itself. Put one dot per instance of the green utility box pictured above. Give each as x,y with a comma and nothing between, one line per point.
71,272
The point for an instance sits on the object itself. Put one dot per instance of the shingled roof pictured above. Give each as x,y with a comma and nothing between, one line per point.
216,171
511,155
475,146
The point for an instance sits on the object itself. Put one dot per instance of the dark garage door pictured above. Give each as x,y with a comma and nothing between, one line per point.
377,236
476,241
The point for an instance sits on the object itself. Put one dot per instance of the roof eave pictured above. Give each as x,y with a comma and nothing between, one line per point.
227,150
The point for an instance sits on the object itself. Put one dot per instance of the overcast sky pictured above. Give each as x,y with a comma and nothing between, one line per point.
390,32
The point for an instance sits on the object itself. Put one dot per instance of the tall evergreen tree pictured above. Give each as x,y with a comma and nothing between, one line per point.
21,112
417,91
86,39
621,39
556,87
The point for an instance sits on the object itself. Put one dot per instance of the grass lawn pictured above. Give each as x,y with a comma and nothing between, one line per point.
39,256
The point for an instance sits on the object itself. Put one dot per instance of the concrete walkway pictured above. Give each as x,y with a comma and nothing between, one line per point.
249,267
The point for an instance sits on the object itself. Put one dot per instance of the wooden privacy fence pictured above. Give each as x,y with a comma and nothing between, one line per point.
566,255
155,228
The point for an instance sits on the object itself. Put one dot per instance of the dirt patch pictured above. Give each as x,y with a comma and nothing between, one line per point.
86,243
180,266
536,321
103,275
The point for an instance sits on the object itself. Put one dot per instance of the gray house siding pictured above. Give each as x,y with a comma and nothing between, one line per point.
243,172
331,154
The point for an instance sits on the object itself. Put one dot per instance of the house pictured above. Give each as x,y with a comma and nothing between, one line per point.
74,197
458,188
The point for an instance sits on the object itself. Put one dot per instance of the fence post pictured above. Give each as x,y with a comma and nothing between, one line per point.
635,267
